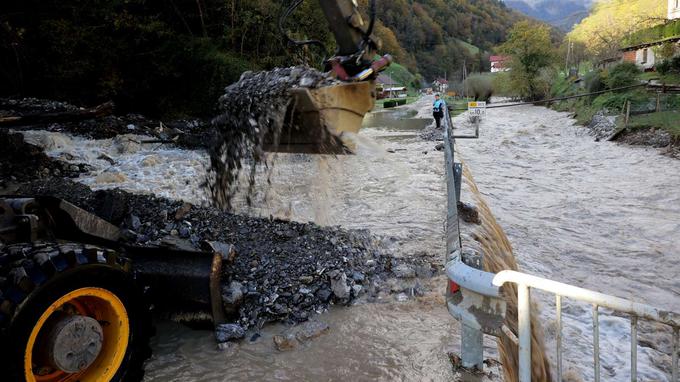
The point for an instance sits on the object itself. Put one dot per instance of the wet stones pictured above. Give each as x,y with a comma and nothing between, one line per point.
232,296
404,271
285,342
229,332
293,337
339,285
602,126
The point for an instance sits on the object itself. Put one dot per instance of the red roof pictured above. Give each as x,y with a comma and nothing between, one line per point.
441,81
498,58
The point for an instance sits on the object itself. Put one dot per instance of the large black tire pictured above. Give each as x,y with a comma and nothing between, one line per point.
35,275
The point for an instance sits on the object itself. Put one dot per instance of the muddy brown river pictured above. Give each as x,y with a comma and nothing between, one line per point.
593,214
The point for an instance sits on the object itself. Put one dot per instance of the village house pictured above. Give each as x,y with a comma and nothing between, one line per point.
673,9
440,85
499,64
644,53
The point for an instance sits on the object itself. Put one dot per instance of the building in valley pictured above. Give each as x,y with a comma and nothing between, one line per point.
499,64
649,46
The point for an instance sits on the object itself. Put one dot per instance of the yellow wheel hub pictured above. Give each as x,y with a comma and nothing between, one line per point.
68,314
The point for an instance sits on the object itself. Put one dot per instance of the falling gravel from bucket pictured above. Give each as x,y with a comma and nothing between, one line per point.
253,112
498,256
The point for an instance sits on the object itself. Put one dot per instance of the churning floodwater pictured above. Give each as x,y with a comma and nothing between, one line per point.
593,214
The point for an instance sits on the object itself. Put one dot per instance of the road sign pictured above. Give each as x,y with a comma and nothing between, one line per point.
477,108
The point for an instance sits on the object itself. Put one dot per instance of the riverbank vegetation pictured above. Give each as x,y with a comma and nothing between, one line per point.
538,70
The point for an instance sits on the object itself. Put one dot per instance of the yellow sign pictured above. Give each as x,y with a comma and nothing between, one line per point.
472,104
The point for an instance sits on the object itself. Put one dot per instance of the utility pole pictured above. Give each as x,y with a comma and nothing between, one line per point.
570,47
465,78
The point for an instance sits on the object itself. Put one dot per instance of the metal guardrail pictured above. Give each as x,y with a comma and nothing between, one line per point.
481,309
598,300
479,306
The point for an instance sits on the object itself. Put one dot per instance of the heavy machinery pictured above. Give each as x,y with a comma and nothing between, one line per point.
324,116
75,298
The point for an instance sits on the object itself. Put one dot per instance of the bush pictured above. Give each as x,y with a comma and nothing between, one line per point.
480,87
663,67
502,85
544,82
669,66
389,104
593,81
615,101
624,74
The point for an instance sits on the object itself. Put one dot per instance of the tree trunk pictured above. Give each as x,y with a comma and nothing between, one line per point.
200,15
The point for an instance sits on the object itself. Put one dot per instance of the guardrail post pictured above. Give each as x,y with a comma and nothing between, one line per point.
472,348
524,323
458,176
596,341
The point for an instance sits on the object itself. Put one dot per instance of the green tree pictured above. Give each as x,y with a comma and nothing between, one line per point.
530,50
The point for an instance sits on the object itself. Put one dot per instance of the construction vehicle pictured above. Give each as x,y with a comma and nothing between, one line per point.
325,117
75,298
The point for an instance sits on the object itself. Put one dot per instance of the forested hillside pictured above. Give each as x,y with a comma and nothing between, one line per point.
430,32
175,56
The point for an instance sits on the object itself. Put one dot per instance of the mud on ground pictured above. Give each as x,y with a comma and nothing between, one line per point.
657,138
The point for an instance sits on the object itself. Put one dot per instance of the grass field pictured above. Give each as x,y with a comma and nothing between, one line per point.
667,120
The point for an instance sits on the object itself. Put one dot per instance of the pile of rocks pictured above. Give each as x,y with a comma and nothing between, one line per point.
283,271
189,133
602,126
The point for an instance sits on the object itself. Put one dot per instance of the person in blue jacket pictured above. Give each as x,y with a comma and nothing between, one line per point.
438,110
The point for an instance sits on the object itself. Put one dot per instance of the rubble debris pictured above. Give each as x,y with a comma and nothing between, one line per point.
229,332
404,271
285,271
57,116
192,133
602,126
252,110
21,161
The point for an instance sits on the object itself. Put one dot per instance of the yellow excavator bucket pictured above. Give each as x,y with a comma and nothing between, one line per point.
321,120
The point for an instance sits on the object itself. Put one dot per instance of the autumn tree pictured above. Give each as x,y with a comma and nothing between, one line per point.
605,30
530,50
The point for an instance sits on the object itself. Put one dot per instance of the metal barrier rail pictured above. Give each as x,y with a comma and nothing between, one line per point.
480,293
636,310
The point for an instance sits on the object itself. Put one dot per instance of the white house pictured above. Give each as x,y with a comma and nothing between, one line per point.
499,64
440,85
673,9
643,55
